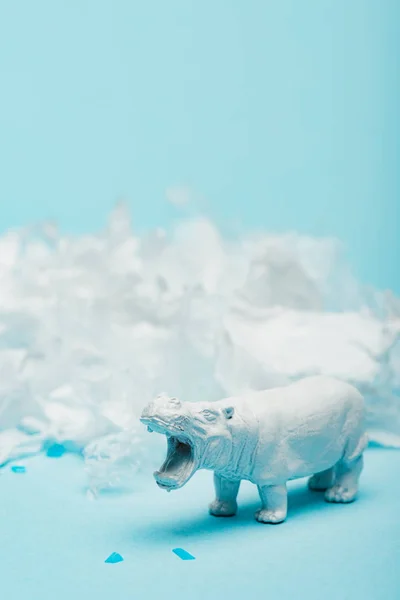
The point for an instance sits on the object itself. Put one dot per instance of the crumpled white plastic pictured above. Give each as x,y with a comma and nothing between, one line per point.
93,326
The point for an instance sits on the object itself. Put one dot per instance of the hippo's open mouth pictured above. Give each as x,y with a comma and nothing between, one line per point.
181,460
178,466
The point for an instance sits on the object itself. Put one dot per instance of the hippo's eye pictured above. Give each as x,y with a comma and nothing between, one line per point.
208,415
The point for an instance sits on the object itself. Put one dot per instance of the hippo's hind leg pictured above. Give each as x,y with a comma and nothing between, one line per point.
347,473
322,481
226,492
274,504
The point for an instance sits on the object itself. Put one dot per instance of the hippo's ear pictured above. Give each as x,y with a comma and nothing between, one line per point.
228,412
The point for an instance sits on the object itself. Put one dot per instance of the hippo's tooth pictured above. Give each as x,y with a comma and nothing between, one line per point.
149,429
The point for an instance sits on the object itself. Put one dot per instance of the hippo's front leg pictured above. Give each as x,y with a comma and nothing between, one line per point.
274,504
226,492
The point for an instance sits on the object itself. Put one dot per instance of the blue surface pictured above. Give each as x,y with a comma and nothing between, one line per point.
54,540
277,114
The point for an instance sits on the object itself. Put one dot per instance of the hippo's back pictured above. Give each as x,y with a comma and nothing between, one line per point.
307,426
305,399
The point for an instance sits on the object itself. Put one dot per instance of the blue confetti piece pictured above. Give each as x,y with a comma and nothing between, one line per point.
18,469
114,558
183,554
55,451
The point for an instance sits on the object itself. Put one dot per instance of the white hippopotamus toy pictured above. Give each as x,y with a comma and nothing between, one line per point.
314,427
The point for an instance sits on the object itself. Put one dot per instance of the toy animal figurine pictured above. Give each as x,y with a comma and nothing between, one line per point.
315,427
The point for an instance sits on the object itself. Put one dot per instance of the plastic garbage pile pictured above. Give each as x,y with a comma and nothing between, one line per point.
93,326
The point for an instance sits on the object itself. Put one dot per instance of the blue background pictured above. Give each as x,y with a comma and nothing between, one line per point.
278,114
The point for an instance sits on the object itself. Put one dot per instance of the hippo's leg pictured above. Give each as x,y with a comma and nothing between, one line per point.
322,481
274,504
226,492
346,481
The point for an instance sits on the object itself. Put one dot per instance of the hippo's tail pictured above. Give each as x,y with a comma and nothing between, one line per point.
354,449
